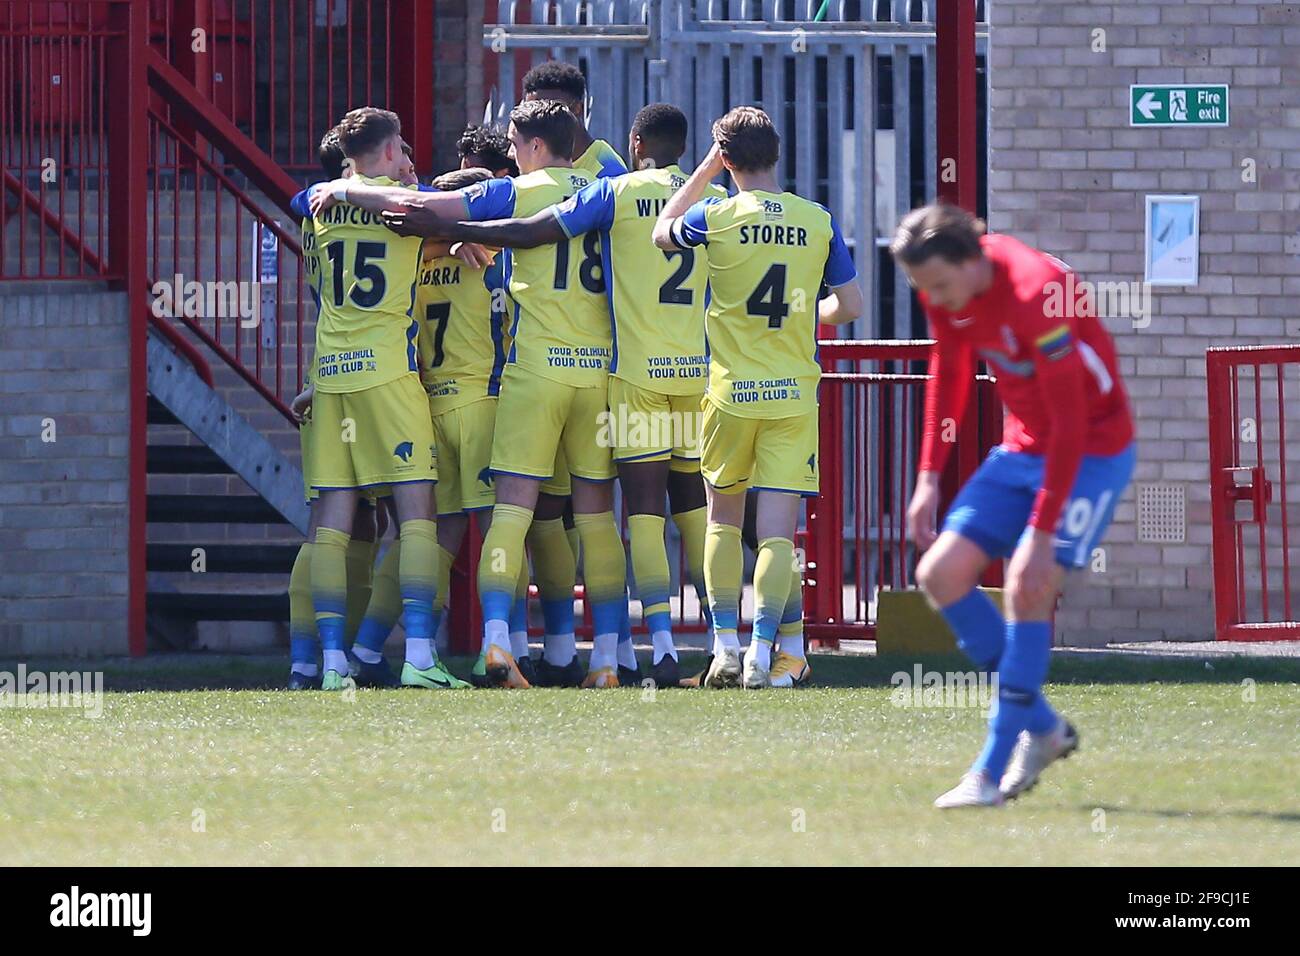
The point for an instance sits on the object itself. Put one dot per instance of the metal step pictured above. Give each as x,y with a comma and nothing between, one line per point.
185,460
159,414
211,509
224,558
220,607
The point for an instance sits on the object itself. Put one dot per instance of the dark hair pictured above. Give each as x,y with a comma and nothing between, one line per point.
455,179
748,139
363,130
662,127
940,229
556,75
488,146
549,121
331,155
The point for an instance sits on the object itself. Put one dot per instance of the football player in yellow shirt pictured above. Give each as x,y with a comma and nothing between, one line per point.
769,253
370,421
660,360
562,82
553,390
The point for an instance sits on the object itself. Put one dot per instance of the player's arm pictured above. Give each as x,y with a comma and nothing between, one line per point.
672,230
946,394
536,230
373,198
844,304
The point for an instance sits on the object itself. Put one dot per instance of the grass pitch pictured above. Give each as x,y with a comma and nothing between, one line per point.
1177,766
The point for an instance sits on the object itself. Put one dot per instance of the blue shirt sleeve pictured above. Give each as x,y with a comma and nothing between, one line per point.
692,229
592,207
490,199
840,269
426,188
299,202
611,165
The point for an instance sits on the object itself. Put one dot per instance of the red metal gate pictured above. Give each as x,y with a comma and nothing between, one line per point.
1249,493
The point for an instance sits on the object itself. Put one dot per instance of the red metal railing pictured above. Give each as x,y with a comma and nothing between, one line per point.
1247,395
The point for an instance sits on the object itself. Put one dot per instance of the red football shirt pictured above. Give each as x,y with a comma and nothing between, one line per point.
1055,367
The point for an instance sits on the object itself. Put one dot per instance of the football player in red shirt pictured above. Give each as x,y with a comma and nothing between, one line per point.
1043,497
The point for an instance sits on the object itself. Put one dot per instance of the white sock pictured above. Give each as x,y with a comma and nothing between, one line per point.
519,644
604,652
559,649
365,654
303,668
724,637
761,651
663,644
498,633
336,661
791,644
419,652
627,654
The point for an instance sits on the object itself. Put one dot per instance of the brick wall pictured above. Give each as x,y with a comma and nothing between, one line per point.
1069,175
458,82
63,529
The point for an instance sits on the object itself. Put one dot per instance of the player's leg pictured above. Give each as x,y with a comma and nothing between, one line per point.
604,562
983,523
555,570
790,664
530,418
329,580
304,672
689,508
785,470
1041,735
360,565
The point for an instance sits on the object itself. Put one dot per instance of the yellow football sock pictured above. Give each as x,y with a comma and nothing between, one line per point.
385,603
691,526
575,542
604,574
553,561
499,567
723,570
329,585
417,576
360,570
445,560
772,569
790,634
650,568
302,617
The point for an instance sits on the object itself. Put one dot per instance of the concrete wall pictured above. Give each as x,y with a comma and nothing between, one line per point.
63,528
1069,175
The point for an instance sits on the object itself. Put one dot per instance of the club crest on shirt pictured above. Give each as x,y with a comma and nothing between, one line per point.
772,209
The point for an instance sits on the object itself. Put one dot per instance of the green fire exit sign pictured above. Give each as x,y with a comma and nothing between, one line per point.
1178,104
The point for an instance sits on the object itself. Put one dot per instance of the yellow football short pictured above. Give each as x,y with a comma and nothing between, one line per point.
378,436
463,437
645,425
537,416
766,454
560,483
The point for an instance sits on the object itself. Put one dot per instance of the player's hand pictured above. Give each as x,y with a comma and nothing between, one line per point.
713,161
923,511
412,219
472,254
301,404
322,196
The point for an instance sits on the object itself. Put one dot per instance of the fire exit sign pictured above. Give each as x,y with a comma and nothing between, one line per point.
1178,104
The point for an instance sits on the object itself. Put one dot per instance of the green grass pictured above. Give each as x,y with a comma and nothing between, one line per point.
1175,767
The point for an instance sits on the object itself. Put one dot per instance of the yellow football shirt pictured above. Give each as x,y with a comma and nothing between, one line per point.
311,275
560,321
600,160
366,334
460,342
768,254
656,297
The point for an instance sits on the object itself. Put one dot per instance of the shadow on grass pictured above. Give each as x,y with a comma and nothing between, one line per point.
1191,814
198,671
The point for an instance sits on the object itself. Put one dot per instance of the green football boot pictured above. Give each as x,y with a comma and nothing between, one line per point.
333,680
436,677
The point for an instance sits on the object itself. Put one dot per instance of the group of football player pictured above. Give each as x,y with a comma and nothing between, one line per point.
547,319
523,332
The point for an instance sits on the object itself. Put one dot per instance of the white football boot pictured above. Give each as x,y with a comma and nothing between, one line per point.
975,790
724,668
756,676
1032,755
